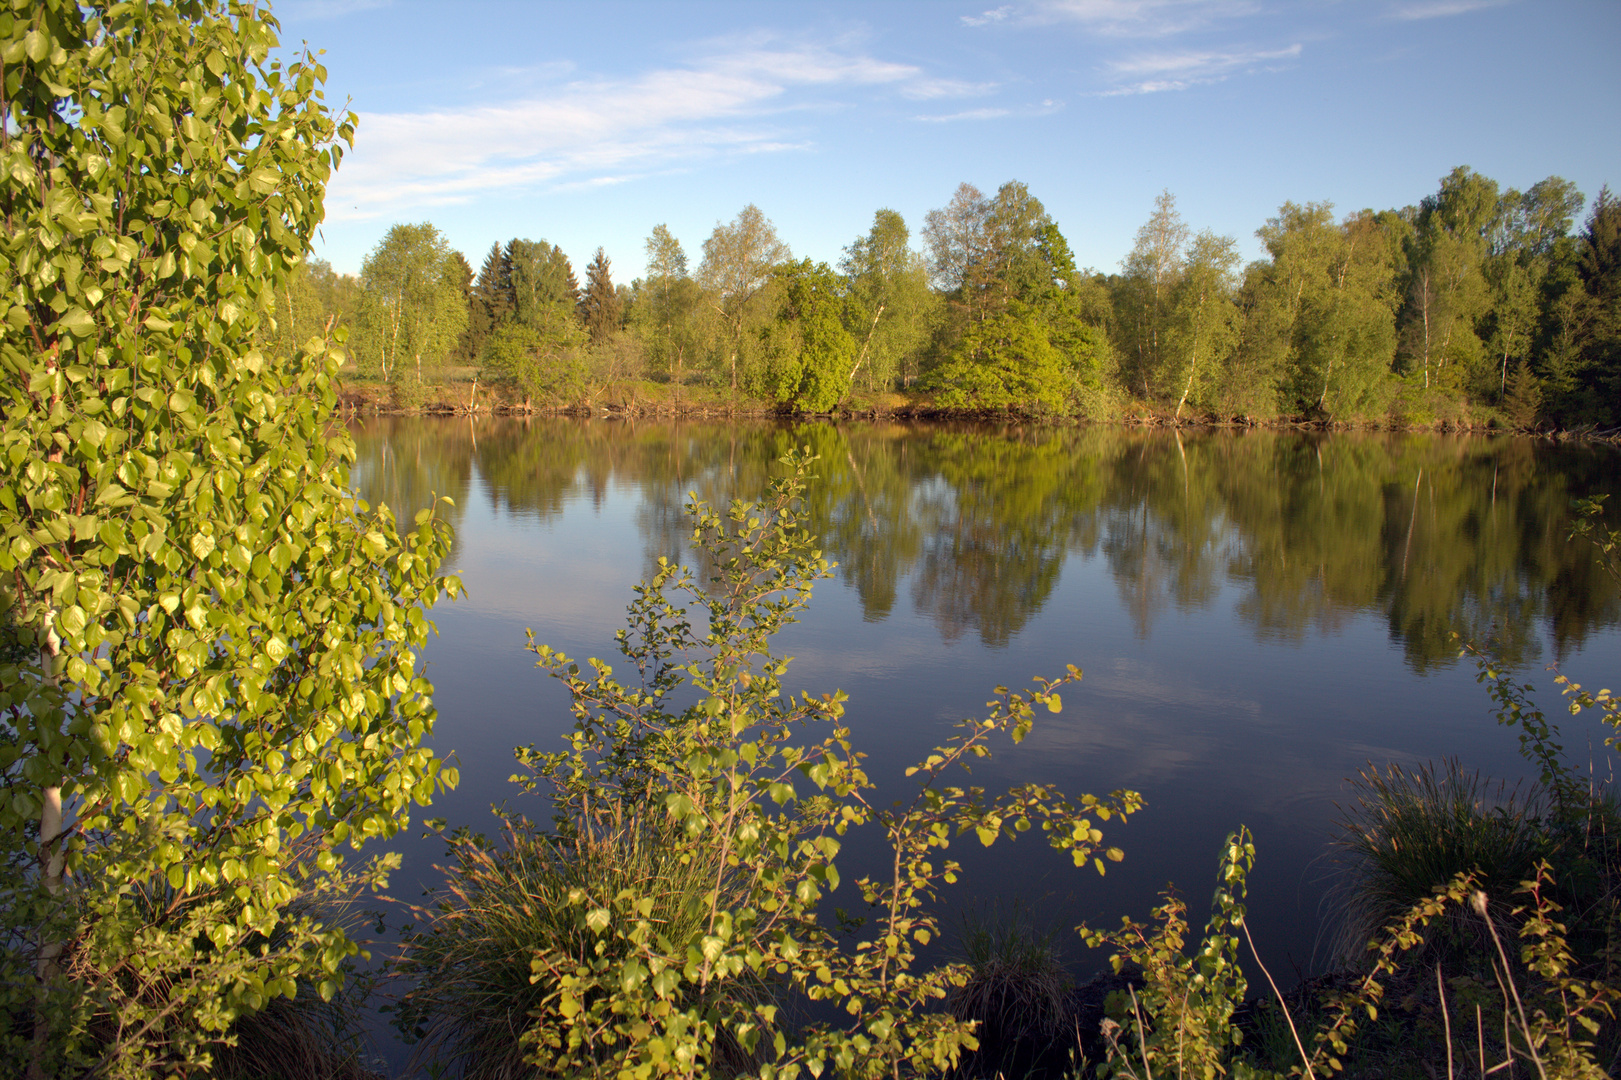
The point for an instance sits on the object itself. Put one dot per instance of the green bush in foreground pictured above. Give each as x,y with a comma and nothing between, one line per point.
669,921
692,971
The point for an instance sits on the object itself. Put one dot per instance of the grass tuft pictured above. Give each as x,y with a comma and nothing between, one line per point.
1019,993
471,1000
1409,833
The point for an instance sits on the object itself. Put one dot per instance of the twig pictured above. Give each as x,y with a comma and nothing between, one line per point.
1446,1018
1290,1020
1141,1042
1508,978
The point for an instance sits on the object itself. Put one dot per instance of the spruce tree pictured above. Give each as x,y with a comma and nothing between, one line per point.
600,307
1598,265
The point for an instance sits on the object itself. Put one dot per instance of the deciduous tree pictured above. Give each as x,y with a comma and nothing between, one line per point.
738,259
221,694
889,305
413,308
1142,304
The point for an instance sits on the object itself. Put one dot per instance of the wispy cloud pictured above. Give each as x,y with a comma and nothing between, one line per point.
1441,9
1042,108
1157,72
931,89
985,18
1142,18
970,114
592,131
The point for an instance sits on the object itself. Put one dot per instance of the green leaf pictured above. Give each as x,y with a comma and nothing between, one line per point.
76,321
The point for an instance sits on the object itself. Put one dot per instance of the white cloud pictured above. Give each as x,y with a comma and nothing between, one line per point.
970,114
1143,18
931,89
995,15
1157,72
1042,108
1440,9
607,130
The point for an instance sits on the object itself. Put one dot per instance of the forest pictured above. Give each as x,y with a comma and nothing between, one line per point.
1478,306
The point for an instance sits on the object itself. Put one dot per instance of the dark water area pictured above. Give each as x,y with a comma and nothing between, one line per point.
1259,615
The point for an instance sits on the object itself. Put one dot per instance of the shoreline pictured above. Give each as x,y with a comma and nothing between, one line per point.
357,402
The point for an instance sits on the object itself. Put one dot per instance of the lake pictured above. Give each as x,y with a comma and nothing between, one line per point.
1259,614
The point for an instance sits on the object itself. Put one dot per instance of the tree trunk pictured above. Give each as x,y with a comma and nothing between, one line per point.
865,345
47,966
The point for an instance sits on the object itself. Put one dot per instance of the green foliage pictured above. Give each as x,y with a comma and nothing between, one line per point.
413,307
1409,831
600,309
539,363
736,272
738,787
668,314
1598,314
221,694
1005,360
471,997
1522,398
315,301
1017,994
1181,1023
889,306
810,354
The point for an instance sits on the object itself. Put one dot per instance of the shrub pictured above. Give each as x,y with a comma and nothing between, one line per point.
1017,993
749,798
470,996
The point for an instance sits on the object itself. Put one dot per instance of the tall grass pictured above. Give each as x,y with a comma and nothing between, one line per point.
1407,833
1017,992
480,976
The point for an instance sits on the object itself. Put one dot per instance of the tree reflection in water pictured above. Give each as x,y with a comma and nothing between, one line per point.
1439,534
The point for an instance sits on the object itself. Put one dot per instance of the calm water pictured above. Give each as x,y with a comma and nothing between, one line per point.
1258,614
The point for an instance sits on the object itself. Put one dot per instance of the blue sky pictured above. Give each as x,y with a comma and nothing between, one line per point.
587,124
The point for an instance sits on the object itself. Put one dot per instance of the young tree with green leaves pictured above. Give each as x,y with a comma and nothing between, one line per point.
315,301
1319,317
1203,324
889,307
220,697
1447,292
810,356
1143,301
668,312
413,307
739,257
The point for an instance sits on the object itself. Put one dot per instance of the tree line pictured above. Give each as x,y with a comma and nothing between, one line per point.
1478,303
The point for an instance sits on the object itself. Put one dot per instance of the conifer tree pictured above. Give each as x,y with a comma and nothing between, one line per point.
460,273
491,299
600,308
1598,265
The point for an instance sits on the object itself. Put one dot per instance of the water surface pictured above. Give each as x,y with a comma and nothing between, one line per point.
1259,614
